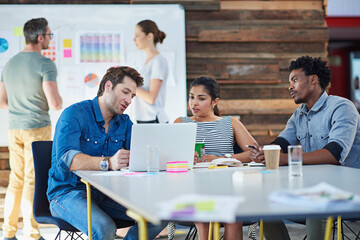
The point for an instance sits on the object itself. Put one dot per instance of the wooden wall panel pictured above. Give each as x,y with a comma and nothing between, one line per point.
256,47
252,91
257,106
247,46
231,71
260,14
264,34
189,5
272,5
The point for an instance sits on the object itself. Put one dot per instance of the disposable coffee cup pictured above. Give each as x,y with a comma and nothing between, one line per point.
200,148
272,156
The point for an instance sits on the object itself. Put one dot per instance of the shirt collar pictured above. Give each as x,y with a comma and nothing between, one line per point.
98,115
319,103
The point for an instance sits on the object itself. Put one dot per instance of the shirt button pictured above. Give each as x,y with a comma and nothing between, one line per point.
105,141
116,140
309,119
95,142
310,135
88,140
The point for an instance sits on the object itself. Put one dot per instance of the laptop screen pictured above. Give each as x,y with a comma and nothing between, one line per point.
176,142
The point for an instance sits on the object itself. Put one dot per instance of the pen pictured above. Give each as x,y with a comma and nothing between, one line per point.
250,146
200,159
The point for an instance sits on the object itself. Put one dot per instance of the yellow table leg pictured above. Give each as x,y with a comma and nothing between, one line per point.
329,224
211,226
261,230
216,231
339,227
143,231
88,197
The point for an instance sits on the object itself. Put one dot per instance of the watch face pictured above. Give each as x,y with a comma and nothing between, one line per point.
104,165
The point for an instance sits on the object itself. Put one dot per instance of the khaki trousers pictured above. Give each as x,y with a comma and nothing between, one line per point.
20,192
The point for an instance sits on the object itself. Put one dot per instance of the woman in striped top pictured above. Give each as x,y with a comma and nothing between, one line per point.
219,135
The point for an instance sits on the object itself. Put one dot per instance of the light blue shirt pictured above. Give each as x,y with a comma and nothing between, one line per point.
331,119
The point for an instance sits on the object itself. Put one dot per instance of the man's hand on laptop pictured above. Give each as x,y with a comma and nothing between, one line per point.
119,160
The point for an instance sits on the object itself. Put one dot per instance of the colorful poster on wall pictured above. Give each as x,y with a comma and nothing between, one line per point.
100,47
9,46
52,51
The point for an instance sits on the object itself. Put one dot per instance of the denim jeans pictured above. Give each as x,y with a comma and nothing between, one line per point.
72,207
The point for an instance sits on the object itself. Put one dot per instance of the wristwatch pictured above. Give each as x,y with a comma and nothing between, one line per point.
104,164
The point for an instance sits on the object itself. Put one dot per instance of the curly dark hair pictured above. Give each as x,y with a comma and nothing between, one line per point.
313,66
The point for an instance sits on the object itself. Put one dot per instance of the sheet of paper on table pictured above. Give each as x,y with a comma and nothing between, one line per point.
203,208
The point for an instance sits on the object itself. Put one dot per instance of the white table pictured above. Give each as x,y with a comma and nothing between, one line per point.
141,194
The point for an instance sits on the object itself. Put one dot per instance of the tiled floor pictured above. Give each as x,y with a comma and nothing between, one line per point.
297,232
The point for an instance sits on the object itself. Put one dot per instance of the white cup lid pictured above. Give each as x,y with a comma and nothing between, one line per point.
271,147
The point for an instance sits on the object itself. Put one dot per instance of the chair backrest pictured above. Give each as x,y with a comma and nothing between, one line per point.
237,149
42,162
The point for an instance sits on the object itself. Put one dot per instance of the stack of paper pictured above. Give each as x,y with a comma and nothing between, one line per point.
202,208
322,195
177,166
230,162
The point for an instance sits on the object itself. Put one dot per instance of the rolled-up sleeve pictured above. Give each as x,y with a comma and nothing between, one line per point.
344,125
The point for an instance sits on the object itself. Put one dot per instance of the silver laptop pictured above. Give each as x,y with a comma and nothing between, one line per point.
176,143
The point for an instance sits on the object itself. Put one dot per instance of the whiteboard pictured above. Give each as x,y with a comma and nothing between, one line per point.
88,39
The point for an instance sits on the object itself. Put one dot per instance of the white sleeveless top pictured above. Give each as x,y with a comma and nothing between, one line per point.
217,135
156,68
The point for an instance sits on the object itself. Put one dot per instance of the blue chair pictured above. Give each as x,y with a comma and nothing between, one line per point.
42,163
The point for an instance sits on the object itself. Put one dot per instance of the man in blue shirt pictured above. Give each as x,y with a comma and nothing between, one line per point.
94,135
327,128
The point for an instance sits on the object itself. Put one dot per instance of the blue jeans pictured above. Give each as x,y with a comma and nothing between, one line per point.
72,207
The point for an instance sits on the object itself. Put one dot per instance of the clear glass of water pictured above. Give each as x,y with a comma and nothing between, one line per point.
152,158
295,160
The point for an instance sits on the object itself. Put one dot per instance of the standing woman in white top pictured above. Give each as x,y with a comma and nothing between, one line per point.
150,100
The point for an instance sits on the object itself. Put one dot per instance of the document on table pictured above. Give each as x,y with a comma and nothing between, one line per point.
227,162
121,173
322,195
203,208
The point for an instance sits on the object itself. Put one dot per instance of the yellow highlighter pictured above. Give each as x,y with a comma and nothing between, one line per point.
214,167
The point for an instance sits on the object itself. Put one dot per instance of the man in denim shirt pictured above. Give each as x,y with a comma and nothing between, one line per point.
94,135
327,128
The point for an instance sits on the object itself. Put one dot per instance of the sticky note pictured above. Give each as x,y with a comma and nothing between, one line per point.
18,31
205,206
67,43
67,53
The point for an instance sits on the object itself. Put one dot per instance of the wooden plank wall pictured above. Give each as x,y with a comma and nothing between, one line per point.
247,46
